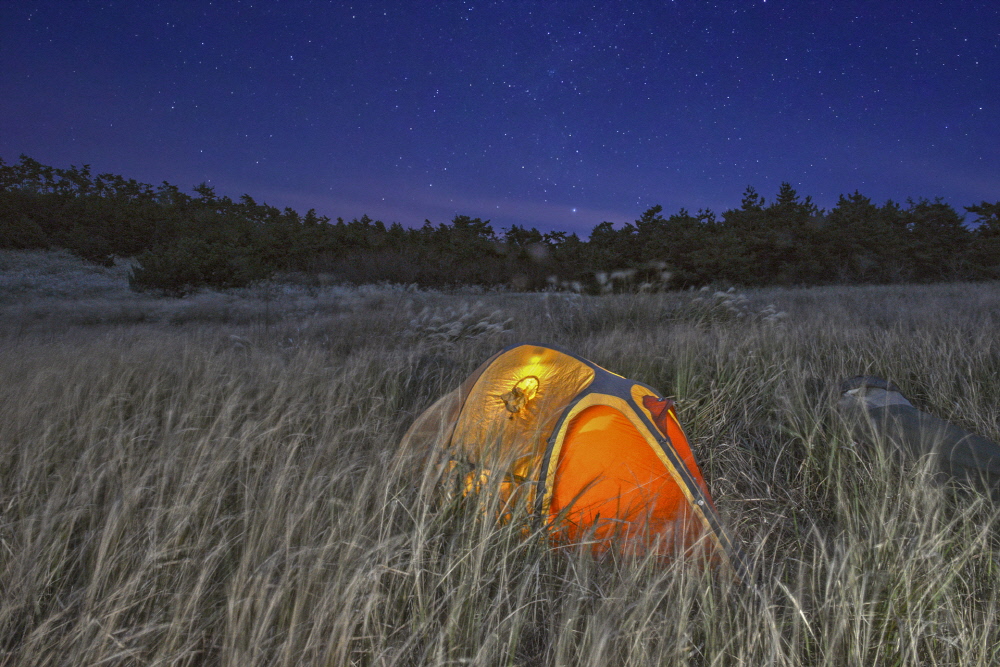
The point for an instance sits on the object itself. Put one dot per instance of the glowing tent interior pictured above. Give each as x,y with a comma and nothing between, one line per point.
600,458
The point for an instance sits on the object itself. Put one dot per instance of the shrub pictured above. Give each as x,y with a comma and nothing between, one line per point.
190,264
22,233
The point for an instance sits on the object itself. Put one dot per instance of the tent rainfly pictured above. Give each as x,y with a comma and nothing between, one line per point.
600,458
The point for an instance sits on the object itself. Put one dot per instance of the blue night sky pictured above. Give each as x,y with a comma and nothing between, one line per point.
552,114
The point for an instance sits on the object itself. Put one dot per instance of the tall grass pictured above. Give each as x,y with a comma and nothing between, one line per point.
226,490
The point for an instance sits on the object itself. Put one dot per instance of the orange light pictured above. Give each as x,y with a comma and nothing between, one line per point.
520,394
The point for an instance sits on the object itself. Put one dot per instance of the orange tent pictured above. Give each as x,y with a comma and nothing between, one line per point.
601,458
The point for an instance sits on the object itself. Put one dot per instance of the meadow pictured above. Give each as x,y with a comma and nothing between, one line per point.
215,479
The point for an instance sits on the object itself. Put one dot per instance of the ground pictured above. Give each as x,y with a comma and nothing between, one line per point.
214,479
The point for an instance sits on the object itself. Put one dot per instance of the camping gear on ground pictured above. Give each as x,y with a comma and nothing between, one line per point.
599,458
967,458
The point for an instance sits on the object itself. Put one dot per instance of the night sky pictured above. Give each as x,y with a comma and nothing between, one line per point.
552,114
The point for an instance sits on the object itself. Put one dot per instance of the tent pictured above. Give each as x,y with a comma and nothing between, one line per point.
600,458
877,407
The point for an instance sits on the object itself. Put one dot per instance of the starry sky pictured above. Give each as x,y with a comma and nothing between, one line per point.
553,114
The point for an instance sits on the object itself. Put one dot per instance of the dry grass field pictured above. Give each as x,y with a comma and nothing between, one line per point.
214,481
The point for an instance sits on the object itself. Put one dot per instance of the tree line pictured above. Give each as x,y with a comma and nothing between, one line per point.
184,242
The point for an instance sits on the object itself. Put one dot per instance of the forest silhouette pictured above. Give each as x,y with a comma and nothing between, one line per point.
184,242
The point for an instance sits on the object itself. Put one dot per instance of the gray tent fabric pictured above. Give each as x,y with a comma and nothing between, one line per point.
965,457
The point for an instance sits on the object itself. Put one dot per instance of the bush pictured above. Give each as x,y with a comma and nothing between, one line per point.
190,264
22,233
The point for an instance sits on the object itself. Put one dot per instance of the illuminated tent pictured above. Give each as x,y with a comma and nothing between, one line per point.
601,458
